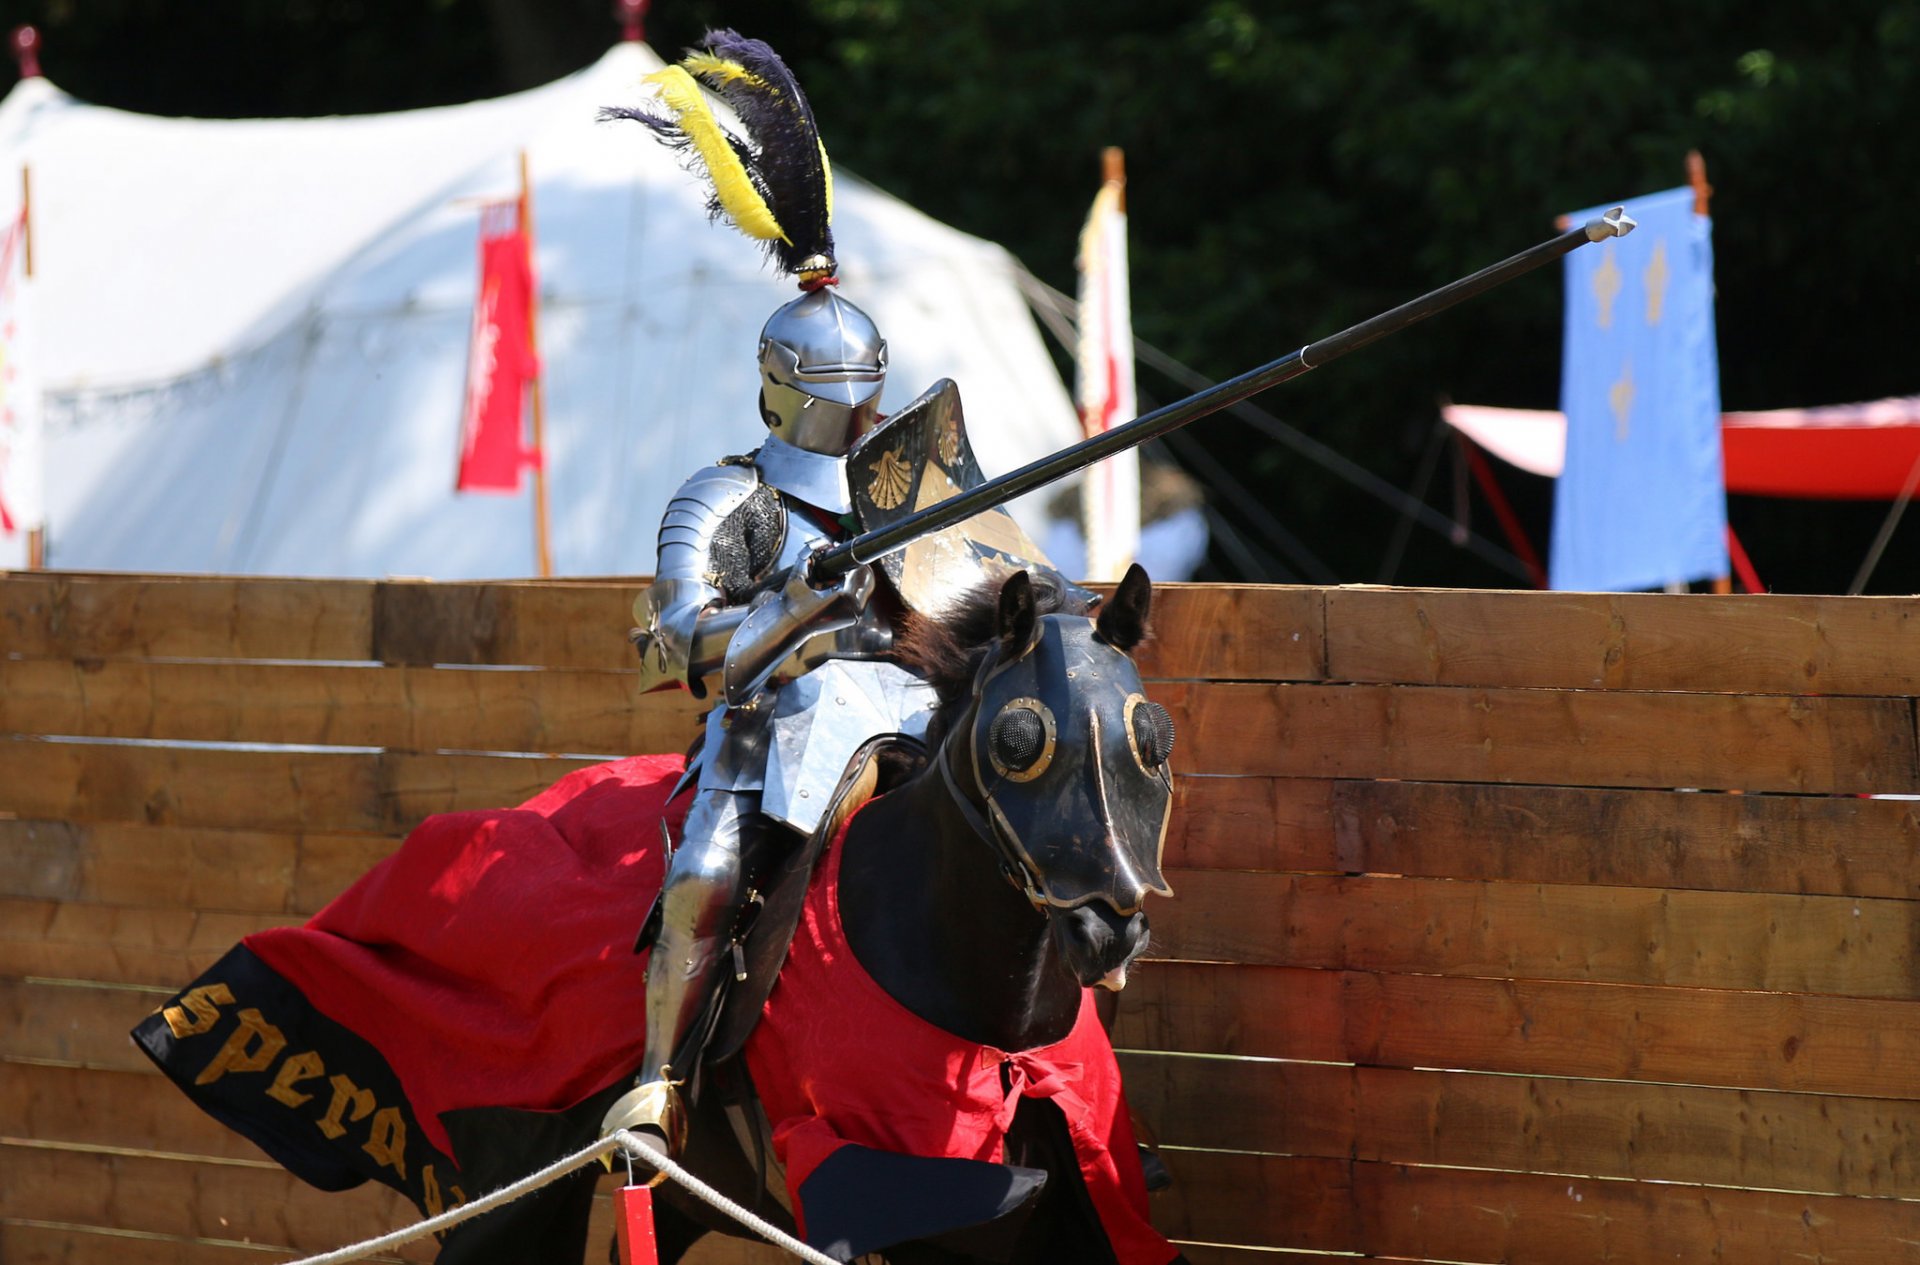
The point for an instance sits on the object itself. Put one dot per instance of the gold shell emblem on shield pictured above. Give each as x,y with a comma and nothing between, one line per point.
892,477
950,444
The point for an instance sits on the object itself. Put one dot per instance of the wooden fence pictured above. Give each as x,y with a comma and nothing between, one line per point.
1531,927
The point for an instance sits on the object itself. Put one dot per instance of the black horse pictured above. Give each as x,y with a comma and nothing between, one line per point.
986,893
962,1103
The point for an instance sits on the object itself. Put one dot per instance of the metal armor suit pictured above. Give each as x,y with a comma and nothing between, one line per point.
798,668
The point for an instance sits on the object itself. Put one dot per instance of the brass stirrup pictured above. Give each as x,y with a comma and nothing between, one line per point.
654,1105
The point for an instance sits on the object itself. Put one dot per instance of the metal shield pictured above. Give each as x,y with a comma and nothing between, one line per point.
919,457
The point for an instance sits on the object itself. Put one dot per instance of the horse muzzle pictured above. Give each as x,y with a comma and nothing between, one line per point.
1097,945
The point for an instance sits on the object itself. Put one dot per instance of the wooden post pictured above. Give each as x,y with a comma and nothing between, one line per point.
1697,177
36,536
542,546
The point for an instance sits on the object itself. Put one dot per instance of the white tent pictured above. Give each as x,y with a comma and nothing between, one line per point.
253,333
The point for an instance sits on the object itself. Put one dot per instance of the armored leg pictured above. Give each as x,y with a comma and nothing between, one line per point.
697,910
698,905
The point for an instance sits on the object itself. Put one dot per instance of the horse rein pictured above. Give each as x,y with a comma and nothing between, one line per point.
1013,867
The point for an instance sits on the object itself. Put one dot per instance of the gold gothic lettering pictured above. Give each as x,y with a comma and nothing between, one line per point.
388,1143
346,1095
265,1040
298,1067
430,1192
203,1003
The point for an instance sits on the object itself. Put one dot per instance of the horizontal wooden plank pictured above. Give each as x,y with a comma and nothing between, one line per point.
1550,737
1450,1215
1824,844
82,1026
1315,1206
1298,1202
1625,641
1232,823
123,863
234,1201
1410,1213
60,615
1439,830
37,1242
164,945
1848,946
1252,823
1617,1129
1756,843
408,709
271,789
552,623
51,1243
1215,1254
1713,1037
1813,645
1236,632
1708,1037
118,1112
130,1111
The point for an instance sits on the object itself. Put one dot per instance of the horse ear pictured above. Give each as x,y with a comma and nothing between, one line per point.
1019,620
1122,622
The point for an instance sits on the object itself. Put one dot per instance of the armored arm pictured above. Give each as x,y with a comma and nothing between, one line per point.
722,531
709,611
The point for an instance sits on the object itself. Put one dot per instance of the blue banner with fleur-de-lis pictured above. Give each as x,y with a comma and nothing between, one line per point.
1641,502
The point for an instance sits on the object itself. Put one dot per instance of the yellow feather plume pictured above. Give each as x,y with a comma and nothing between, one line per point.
826,176
719,69
738,198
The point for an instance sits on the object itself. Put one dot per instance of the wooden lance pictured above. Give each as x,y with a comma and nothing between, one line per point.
831,563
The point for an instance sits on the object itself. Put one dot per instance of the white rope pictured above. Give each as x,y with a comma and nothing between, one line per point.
642,1148
633,1145
467,1211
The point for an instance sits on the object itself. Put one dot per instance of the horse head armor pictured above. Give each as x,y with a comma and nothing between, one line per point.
1069,756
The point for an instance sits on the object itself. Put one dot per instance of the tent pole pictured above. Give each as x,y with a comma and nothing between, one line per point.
542,544
36,536
1702,194
1885,533
1742,564
1509,521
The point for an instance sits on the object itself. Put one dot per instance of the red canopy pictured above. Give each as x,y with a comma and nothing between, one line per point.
1841,452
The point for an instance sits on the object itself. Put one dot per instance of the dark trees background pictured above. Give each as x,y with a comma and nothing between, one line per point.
1292,168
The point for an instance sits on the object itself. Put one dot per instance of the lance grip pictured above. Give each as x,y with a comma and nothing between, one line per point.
835,561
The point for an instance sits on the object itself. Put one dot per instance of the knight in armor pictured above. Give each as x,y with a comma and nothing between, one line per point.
799,672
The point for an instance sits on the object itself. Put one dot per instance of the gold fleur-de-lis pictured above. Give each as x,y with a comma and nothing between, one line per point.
1620,399
1655,278
1606,287
892,476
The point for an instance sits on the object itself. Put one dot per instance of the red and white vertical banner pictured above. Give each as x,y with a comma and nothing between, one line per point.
22,469
1110,492
500,358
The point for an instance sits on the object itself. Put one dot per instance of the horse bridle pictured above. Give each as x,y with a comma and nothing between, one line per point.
1014,867
1017,865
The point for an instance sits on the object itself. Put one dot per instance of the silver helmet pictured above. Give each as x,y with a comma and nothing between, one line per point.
822,363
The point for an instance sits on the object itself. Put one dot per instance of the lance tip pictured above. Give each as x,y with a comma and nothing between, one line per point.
1615,223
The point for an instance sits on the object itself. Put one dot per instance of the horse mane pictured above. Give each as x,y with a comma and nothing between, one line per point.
946,652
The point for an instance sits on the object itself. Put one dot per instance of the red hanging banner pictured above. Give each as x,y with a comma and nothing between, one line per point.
500,358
